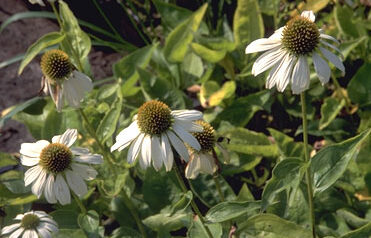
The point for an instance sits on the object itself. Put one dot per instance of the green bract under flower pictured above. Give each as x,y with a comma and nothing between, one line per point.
206,138
55,157
55,65
300,36
30,221
154,117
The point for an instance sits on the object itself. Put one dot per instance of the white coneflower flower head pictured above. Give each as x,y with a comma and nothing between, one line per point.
203,161
155,130
62,80
57,168
288,50
32,224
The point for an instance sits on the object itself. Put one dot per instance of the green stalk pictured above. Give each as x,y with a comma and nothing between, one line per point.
218,188
308,176
79,203
193,204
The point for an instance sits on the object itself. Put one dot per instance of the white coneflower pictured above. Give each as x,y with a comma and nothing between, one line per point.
203,161
288,51
155,129
32,224
54,164
62,80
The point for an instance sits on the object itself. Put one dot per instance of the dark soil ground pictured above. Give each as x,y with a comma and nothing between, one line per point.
14,89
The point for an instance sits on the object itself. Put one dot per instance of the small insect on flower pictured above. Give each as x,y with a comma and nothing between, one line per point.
32,224
203,161
62,80
55,163
154,131
288,51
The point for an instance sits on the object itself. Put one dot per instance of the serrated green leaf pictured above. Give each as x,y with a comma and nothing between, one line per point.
329,164
45,41
176,44
247,22
329,110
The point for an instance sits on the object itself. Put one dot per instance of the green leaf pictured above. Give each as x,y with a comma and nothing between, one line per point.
75,38
329,164
287,174
45,41
109,122
66,219
269,224
247,22
226,91
10,112
343,18
171,15
225,211
68,233
22,200
287,146
25,15
329,110
359,87
183,203
246,106
198,230
89,223
361,232
192,68
164,222
176,44
348,46
207,54
125,232
351,219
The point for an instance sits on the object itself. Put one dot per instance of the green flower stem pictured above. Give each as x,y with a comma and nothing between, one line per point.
92,133
339,89
79,203
308,176
129,204
218,188
193,204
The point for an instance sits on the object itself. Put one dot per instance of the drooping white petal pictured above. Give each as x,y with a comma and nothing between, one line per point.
17,233
32,174
157,152
327,37
193,167
79,151
62,192
29,161
300,78
30,234
224,152
333,59
39,184
86,172
19,217
56,93
40,214
187,114
178,145
33,149
67,138
49,226
76,183
44,233
186,137
208,165
135,148
49,192
284,74
75,88
189,126
48,220
277,35
168,152
309,15
126,136
89,158
262,45
146,151
322,69
268,60
11,228
333,47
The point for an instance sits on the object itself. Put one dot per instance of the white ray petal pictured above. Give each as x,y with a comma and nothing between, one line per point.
333,59
33,149
333,47
67,138
187,114
284,75
277,35
168,158
17,233
322,69
49,226
300,78
79,151
189,126
193,167
178,145
75,88
327,37
146,151
157,152
9,229
39,184
268,60
89,158
86,172
262,44
135,148
186,137
49,192
62,192
207,163
126,136
309,15
76,183
44,233
32,174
